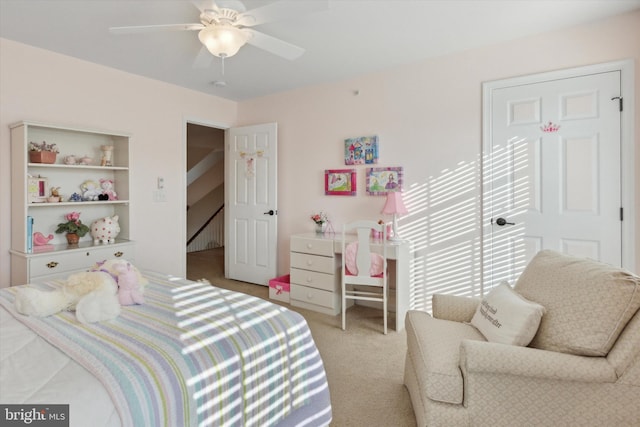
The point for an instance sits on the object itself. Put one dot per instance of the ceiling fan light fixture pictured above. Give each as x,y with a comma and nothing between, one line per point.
223,40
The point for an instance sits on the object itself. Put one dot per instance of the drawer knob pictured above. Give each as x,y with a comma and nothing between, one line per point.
309,245
118,254
52,264
309,296
309,262
309,280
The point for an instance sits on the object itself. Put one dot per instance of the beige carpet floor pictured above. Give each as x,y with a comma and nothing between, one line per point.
364,367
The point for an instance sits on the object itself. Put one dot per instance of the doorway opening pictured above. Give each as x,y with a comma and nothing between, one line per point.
205,196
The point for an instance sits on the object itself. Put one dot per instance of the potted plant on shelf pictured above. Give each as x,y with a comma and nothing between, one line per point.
73,227
43,152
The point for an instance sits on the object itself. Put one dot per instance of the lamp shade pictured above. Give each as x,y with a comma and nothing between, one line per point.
223,40
394,204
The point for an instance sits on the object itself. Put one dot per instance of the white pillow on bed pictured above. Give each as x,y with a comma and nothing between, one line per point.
504,316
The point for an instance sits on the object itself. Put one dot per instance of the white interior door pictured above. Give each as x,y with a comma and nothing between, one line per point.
552,175
252,204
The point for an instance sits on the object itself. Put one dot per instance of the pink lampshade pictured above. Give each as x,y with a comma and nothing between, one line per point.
394,204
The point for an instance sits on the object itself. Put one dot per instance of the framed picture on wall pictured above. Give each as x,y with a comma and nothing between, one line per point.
340,182
381,181
360,151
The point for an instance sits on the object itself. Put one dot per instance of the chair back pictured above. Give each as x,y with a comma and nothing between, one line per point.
365,258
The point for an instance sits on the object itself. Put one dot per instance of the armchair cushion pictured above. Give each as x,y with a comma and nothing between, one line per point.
454,307
588,303
505,317
434,346
502,360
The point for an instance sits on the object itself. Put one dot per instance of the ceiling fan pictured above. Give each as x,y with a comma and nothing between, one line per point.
225,27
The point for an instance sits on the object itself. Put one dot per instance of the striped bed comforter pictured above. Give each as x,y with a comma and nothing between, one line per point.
194,355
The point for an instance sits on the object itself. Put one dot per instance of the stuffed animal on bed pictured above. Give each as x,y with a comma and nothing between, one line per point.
93,295
129,289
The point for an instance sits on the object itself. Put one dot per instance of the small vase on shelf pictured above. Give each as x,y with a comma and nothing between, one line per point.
73,238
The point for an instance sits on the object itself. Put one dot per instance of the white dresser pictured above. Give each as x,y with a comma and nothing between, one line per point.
315,273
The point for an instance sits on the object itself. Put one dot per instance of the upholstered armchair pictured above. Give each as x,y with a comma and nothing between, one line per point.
581,368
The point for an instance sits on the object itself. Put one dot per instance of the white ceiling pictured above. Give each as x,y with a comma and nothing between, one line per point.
350,38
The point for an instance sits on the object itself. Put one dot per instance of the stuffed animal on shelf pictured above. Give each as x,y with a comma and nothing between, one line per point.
129,290
90,190
93,296
107,188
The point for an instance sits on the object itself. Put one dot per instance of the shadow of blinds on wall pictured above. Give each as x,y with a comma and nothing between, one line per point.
443,226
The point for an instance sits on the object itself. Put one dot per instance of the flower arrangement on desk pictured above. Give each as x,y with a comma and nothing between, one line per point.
73,227
321,220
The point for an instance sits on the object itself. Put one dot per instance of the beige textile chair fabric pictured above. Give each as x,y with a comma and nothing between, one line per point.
456,378
361,284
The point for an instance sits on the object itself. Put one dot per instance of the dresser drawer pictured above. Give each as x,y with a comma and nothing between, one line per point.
319,263
81,260
57,263
314,279
312,296
312,246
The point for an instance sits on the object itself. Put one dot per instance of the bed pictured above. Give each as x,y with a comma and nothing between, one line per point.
191,355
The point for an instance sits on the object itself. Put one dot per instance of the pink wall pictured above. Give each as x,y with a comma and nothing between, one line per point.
428,117
42,86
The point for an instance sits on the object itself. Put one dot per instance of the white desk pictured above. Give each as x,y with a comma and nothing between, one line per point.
400,252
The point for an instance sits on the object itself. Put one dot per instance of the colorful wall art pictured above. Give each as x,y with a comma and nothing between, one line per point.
340,182
360,151
381,181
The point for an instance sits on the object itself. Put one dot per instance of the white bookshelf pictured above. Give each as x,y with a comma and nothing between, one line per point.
58,258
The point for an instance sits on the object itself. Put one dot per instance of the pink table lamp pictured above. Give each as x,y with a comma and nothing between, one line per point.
394,206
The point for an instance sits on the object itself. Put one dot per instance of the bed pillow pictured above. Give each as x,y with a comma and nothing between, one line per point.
505,317
351,251
588,302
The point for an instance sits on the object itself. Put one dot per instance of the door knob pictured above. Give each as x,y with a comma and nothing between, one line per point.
502,221
270,212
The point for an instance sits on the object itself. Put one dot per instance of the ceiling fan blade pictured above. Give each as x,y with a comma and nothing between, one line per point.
279,11
155,28
203,59
203,5
274,45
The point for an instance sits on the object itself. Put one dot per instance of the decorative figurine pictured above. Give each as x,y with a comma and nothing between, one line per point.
105,230
40,239
86,160
107,152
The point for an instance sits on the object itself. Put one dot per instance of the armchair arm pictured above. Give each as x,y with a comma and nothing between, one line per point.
453,307
478,357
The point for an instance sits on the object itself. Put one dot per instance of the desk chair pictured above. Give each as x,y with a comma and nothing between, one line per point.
362,269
